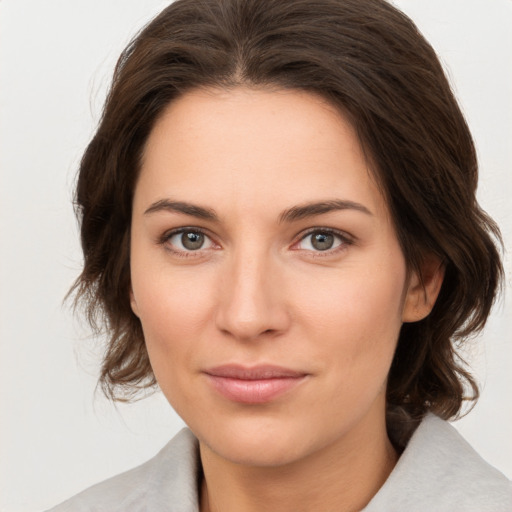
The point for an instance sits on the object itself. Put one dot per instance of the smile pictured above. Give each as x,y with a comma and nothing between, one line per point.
254,385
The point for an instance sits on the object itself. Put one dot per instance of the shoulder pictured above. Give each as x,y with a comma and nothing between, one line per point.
440,471
169,477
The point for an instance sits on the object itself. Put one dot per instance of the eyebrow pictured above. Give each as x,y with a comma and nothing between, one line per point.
292,214
318,208
182,207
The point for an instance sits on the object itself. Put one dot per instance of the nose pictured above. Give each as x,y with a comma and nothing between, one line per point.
252,305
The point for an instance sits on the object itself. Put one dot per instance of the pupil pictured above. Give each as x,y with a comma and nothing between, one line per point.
322,241
192,240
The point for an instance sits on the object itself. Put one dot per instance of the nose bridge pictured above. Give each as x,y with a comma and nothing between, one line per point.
250,304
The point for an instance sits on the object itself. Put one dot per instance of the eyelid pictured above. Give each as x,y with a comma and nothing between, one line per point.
167,235
346,240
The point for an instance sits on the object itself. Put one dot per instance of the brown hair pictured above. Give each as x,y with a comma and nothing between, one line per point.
369,60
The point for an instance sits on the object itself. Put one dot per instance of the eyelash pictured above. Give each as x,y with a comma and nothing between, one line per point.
345,241
164,240
344,238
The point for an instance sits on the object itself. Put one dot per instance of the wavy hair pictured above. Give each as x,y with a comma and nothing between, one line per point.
369,60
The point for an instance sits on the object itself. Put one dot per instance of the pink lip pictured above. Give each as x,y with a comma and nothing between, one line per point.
255,385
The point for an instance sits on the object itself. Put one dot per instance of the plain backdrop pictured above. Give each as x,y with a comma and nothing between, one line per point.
56,58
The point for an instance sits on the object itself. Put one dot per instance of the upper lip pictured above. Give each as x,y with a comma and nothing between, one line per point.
260,372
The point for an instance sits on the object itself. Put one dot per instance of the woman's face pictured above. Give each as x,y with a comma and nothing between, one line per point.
266,274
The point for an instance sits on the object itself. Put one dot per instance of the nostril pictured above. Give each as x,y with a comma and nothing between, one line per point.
251,306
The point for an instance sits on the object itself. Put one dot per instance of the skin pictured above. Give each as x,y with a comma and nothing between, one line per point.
259,292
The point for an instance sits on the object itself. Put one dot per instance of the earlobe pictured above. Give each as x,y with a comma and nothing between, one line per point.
423,288
133,303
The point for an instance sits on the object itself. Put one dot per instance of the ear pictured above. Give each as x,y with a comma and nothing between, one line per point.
423,289
133,303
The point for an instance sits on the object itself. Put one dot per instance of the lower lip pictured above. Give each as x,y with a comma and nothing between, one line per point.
253,391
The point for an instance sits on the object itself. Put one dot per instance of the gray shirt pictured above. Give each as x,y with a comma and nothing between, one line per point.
438,471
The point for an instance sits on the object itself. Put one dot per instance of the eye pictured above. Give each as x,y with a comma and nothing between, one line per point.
187,240
322,240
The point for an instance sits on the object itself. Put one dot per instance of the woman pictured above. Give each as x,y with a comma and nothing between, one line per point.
280,229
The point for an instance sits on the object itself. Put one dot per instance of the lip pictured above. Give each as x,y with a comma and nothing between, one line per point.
253,385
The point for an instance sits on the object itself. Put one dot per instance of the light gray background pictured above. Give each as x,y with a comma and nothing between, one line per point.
56,59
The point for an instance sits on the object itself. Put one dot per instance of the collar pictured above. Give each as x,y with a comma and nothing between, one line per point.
438,470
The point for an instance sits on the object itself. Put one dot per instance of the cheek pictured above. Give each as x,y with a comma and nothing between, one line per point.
356,317
370,298
172,323
358,342
173,308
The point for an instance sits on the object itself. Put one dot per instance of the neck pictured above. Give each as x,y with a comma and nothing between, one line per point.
341,477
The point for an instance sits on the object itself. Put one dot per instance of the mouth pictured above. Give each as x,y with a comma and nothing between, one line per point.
253,385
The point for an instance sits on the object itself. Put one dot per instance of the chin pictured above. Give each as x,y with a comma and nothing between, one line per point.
261,442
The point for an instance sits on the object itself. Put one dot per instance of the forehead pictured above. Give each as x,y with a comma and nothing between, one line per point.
255,148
